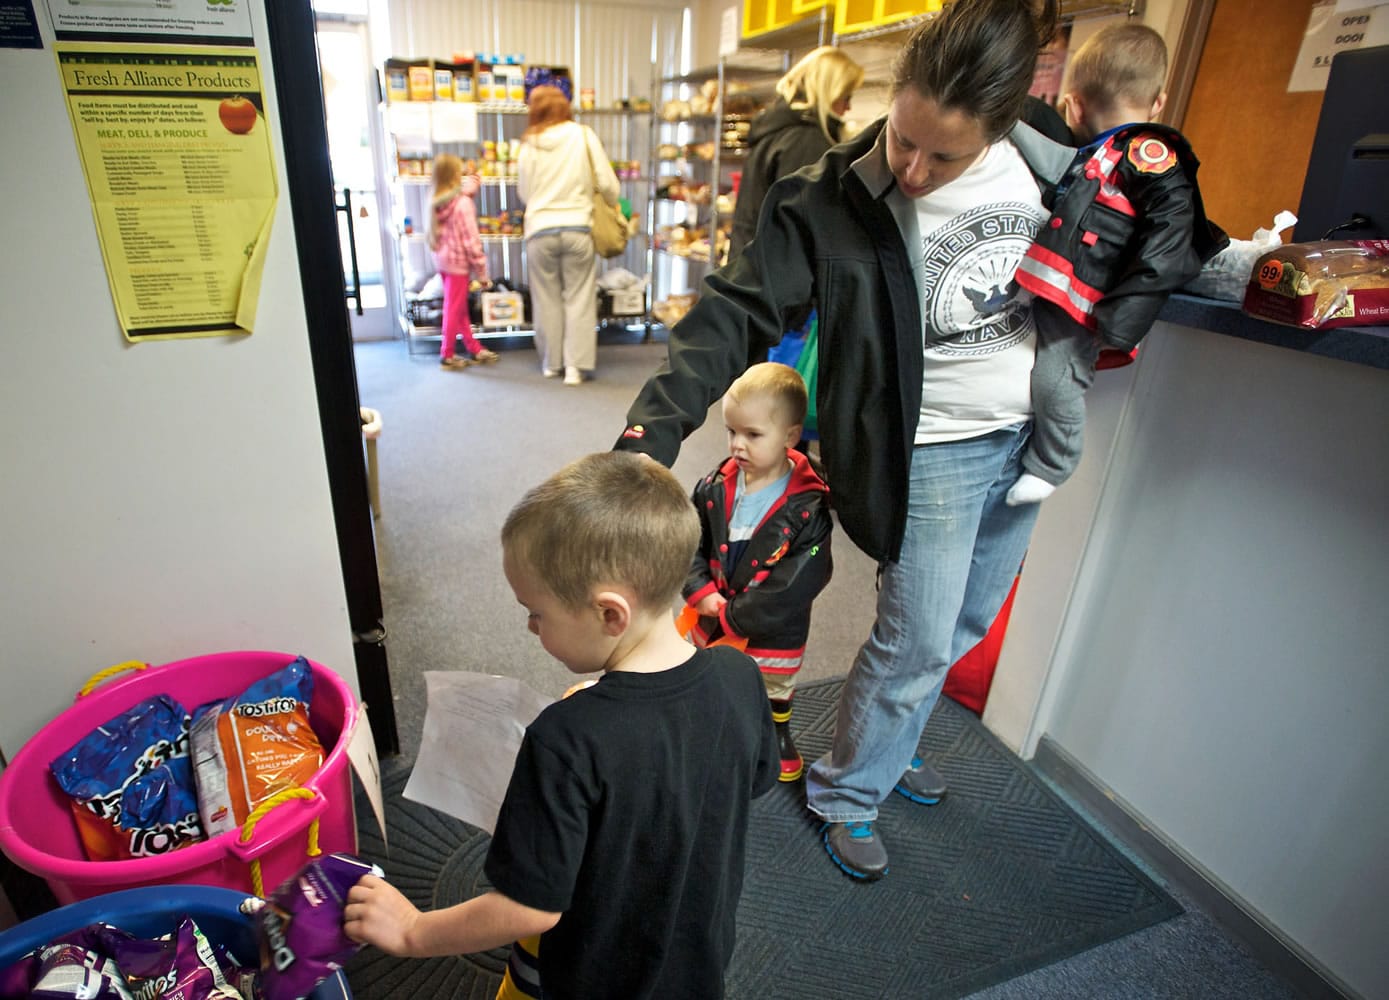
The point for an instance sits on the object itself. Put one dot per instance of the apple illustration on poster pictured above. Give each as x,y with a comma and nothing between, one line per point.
238,114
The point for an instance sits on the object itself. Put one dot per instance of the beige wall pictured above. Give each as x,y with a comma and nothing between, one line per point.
161,500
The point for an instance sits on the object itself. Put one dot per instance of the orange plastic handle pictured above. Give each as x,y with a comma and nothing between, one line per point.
688,618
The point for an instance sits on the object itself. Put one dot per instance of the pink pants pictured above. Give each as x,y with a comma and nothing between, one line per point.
456,320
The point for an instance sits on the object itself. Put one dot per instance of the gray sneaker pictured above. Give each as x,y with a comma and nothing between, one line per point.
856,849
921,783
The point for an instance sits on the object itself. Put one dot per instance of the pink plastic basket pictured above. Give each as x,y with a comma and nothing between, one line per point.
38,833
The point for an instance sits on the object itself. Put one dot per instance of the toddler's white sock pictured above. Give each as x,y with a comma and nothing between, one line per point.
1029,489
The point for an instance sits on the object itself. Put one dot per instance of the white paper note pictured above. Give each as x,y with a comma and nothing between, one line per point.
473,725
361,751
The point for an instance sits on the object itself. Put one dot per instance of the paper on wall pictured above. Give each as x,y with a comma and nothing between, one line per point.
1331,29
361,752
473,725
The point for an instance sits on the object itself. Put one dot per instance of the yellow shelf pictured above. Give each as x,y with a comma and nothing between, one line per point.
854,16
763,16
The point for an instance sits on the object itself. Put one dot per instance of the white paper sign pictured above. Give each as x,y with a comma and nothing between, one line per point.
473,725
1329,30
730,30
227,21
361,751
454,122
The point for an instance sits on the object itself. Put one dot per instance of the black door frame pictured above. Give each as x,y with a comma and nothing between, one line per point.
309,179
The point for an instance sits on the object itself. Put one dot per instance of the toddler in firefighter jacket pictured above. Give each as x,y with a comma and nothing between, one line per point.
764,551
1127,229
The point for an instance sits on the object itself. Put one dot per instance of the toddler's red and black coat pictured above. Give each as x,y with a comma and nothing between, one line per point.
1127,229
783,568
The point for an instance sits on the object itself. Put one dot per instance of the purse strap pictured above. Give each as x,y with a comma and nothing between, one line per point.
588,158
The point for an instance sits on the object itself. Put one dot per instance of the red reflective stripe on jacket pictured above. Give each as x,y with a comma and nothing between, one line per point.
1050,276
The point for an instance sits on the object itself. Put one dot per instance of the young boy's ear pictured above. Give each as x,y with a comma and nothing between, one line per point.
1158,105
1072,109
615,612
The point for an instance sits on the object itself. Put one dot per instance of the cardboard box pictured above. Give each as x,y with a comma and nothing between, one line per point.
421,80
503,309
627,302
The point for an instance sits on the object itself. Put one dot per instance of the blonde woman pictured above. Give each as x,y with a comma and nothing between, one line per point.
562,163
795,131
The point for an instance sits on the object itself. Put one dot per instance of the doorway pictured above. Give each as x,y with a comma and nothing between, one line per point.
350,99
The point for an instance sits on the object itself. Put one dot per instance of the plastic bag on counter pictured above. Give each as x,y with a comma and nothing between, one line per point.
1226,275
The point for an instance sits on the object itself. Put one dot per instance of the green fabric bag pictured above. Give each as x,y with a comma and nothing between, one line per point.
808,364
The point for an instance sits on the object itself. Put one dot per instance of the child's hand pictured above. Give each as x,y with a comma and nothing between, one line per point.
710,605
376,913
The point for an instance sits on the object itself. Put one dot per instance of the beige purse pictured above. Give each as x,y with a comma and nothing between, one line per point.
610,230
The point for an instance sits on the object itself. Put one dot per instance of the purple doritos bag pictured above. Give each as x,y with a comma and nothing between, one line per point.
182,965
302,941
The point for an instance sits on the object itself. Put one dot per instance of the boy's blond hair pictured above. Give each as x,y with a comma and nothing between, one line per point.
610,518
1122,64
781,382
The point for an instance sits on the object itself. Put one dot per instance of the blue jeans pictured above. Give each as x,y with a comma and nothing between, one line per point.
961,552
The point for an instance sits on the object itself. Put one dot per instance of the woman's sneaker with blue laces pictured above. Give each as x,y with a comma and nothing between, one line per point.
856,849
921,783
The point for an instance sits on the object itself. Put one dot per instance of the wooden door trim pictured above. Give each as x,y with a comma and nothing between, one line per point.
1186,59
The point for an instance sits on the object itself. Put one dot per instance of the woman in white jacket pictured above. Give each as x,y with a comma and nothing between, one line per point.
562,163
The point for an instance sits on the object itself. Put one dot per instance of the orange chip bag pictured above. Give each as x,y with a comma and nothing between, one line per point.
258,743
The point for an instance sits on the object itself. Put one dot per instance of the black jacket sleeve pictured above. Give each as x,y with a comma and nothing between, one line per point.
1162,257
743,308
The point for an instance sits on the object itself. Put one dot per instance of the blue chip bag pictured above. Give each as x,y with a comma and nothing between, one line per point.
133,749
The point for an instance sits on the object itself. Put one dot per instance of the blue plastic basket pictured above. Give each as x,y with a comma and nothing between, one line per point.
151,912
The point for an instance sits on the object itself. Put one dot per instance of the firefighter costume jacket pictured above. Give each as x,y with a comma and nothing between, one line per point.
784,567
1127,229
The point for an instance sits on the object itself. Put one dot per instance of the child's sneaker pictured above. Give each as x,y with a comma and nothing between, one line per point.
485,357
457,361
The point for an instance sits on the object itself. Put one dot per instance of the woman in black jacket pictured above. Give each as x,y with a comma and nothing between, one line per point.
794,132
907,237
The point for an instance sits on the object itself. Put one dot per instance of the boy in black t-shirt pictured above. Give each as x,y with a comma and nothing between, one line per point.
621,839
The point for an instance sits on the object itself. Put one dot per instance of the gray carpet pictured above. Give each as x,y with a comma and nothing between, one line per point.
458,448
998,879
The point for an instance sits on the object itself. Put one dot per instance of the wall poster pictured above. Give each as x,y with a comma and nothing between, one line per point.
226,22
180,171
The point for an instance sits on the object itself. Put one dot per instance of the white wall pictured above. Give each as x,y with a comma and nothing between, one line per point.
157,500
606,44
1222,665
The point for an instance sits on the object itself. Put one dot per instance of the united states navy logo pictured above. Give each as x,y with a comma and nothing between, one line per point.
973,304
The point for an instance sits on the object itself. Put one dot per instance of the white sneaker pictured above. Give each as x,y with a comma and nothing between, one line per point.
572,376
552,372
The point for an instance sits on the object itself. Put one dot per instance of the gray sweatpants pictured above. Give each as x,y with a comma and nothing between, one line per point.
563,273
1064,369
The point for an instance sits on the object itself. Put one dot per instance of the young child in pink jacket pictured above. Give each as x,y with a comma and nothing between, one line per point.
458,256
